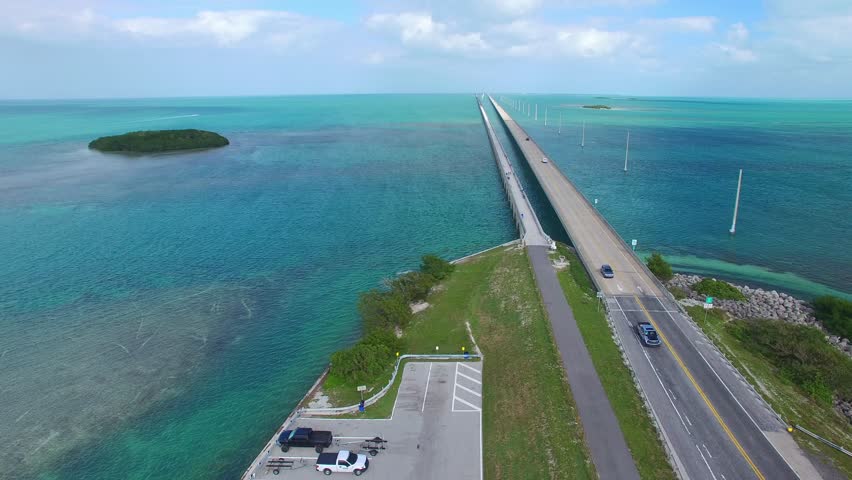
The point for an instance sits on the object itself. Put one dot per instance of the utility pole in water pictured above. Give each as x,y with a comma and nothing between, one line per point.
627,150
545,116
536,112
560,123
737,203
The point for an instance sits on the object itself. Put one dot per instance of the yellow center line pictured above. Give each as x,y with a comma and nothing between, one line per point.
701,392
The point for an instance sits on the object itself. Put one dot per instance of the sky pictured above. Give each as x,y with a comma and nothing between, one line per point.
158,48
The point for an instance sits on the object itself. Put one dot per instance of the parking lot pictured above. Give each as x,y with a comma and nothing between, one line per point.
434,431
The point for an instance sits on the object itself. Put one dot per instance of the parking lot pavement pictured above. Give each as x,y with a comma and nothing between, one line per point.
433,433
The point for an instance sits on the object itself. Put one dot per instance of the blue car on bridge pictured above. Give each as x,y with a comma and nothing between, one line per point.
648,335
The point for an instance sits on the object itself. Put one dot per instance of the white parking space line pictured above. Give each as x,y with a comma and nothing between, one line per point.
457,386
474,407
469,390
426,390
468,366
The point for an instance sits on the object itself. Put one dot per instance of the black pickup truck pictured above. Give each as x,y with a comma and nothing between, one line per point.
304,437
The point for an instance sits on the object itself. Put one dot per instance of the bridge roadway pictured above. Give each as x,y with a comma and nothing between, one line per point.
714,424
601,431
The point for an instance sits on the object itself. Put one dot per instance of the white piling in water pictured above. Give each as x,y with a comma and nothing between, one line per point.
737,203
545,116
560,123
536,112
583,141
627,150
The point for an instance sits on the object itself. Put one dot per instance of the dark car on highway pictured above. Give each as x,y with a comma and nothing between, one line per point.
606,271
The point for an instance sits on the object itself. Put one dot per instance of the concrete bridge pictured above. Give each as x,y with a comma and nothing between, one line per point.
714,424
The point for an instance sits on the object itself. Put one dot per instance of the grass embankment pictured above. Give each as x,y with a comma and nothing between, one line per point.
639,432
155,141
526,401
777,383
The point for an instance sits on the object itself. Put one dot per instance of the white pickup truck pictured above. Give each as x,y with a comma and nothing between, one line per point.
343,461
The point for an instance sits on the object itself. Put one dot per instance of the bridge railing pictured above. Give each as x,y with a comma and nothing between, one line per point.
663,290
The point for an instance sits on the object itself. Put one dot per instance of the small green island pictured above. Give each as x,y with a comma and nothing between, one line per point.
598,107
156,141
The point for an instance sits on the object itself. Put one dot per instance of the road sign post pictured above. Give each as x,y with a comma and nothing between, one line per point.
600,296
708,304
633,244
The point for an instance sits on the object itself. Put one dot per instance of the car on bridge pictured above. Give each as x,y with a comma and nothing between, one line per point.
543,159
648,335
606,271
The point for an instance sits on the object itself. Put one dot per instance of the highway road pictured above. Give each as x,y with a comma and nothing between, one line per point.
714,424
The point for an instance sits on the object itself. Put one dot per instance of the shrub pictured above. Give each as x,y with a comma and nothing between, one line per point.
660,267
368,358
437,267
413,286
678,293
718,289
801,354
835,314
383,310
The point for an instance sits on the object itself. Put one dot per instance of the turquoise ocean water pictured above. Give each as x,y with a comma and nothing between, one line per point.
161,315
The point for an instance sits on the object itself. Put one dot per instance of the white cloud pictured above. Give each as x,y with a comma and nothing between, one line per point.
738,33
514,8
736,49
590,42
225,27
420,30
736,54
528,38
681,24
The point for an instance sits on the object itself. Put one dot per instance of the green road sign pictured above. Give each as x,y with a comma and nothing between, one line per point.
709,299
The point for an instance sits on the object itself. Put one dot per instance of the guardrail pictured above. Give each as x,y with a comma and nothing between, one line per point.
827,442
502,161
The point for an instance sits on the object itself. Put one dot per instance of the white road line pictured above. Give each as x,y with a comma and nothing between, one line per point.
679,465
705,463
455,384
481,453
673,394
469,390
687,419
467,377
468,366
735,397
666,391
474,407
426,390
707,450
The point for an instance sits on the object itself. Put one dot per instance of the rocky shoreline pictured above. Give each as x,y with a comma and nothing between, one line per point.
760,303
768,304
